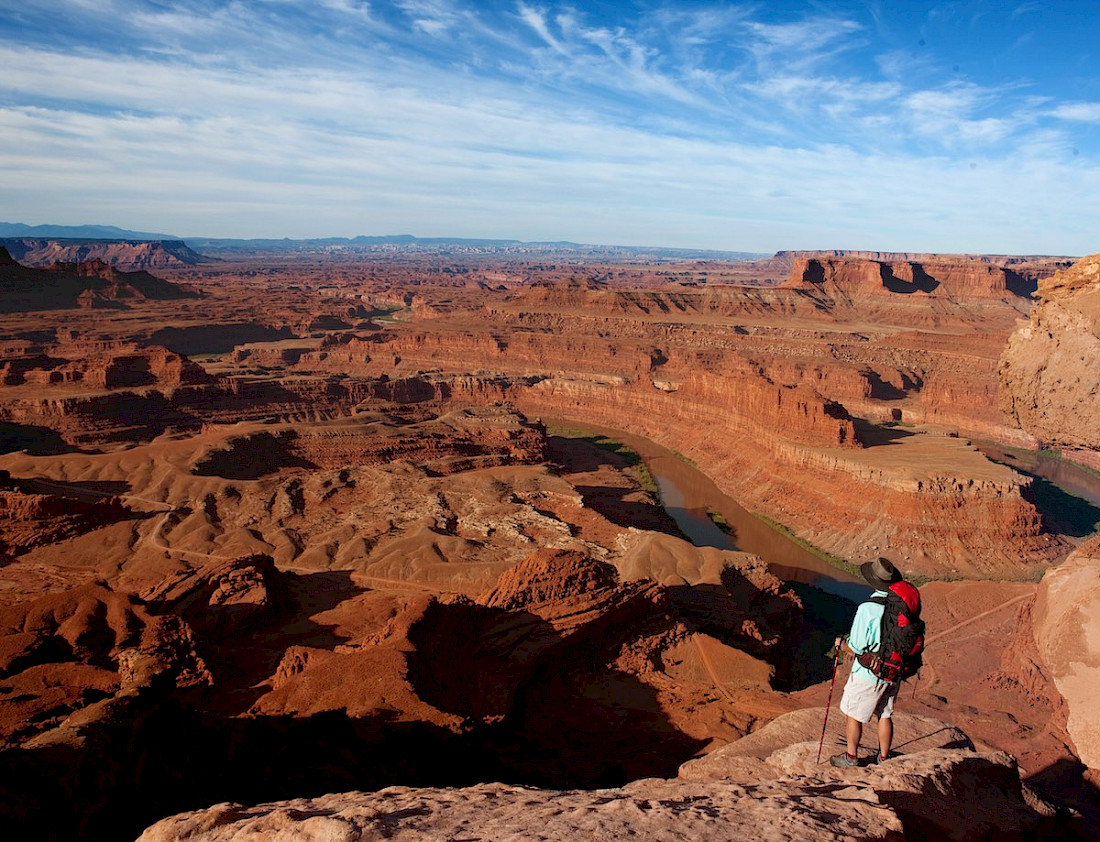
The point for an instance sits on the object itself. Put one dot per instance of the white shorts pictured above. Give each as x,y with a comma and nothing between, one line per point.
864,699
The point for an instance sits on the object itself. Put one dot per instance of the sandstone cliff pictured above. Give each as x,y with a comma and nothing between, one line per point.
853,276
1067,617
1050,370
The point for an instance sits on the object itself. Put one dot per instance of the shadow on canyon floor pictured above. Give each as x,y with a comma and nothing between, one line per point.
37,441
1062,512
170,758
875,435
611,503
216,339
825,617
546,702
586,455
538,706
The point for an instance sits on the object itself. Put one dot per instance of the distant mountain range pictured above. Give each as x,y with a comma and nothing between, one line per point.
378,245
78,232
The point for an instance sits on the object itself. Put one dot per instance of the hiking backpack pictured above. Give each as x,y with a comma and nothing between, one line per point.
901,636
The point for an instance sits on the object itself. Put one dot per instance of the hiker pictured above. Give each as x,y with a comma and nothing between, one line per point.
866,695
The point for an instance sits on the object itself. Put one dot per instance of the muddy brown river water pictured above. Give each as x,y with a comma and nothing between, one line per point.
687,494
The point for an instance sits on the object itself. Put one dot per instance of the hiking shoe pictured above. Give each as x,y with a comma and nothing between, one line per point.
844,761
878,758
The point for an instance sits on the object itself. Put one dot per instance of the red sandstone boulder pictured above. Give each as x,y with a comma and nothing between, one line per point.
223,598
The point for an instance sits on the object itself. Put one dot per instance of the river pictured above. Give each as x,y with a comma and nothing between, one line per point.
687,494
1071,478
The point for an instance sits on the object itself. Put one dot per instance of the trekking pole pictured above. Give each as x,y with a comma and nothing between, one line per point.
828,704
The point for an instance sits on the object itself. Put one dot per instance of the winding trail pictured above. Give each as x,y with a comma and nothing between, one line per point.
929,641
708,665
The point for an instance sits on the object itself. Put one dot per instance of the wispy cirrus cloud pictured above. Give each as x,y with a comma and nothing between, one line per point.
702,122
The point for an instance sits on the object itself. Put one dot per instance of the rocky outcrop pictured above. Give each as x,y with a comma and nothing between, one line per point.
31,519
663,811
939,788
118,367
1050,370
848,279
222,599
61,653
459,440
1067,617
944,792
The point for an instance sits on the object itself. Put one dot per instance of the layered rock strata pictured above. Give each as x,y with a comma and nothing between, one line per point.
776,401
29,518
127,255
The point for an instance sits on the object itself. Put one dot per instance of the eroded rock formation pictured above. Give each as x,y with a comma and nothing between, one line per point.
1050,370
372,565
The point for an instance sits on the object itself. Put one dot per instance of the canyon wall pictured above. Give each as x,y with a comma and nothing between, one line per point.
1050,369
1067,630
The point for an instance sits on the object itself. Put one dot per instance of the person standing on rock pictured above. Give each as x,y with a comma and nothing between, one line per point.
865,695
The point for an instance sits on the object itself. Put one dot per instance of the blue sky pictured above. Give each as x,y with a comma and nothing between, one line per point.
951,127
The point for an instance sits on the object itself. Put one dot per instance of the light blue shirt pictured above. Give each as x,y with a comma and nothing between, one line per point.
864,636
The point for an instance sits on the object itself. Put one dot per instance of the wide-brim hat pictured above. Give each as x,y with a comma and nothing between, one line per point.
880,573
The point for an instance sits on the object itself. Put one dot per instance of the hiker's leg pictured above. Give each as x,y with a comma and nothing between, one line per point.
885,712
858,703
885,736
855,733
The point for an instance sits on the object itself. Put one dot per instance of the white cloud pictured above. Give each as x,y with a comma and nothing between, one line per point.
434,17
536,124
1077,112
357,8
800,45
951,115
536,19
